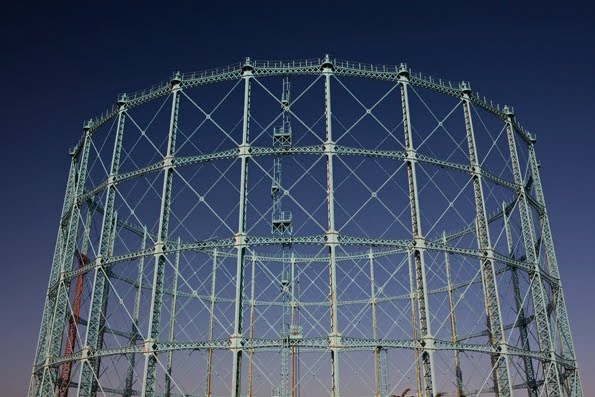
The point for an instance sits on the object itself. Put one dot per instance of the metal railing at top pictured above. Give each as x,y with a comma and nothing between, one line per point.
365,66
147,91
312,62
212,72
287,64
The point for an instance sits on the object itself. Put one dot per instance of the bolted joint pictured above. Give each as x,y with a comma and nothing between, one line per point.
159,249
176,80
475,170
410,155
503,349
111,180
149,346
508,112
85,353
428,342
329,148
335,341
332,237
247,67
236,342
122,99
240,240
327,65
552,356
419,243
403,72
168,161
488,253
87,125
98,261
465,88
244,150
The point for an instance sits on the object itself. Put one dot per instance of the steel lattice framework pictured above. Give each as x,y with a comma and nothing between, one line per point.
320,227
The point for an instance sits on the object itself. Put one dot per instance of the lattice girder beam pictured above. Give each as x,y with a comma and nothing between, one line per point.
320,344
45,336
550,370
66,255
89,369
417,251
522,320
500,366
572,382
135,331
151,363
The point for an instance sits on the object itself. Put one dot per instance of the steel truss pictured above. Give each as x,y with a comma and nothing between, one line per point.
456,311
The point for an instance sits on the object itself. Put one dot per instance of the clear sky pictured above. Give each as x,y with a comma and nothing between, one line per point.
63,64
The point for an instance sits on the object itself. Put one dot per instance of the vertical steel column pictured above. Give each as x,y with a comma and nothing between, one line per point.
573,382
413,299
550,368
521,321
41,355
293,328
244,148
418,242
67,255
56,305
251,324
374,333
500,366
453,323
150,369
134,332
212,321
331,234
89,372
172,323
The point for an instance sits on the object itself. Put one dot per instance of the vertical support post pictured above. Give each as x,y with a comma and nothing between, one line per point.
252,283
56,305
172,323
413,299
293,326
89,372
150,369
134,332
453,323
550,369
331,234
500,365
44,336
418,242
522,321
212,321
236,338
374,333
573,382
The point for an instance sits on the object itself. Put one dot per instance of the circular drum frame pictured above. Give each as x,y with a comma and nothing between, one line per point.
404,243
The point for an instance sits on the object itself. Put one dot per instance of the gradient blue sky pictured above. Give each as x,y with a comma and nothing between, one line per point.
65,63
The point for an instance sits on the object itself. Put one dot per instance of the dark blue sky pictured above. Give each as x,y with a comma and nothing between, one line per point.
65,63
